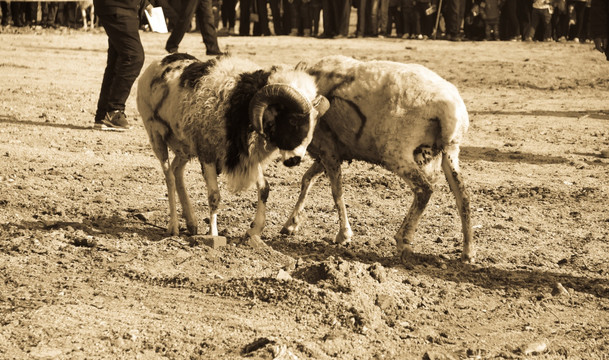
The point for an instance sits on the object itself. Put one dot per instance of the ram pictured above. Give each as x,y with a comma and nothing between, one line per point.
403,117
233,116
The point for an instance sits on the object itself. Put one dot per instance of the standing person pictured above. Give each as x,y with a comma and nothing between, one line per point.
489,10
205,16
253,11
394,16
560,21
329,17
579,7
300,17
229,15
367,18
454,14
18,13
5,13
524,9
315,11
343,17
599,31
408,18
383,18
542,13
513,24
278,27
423,19
121,21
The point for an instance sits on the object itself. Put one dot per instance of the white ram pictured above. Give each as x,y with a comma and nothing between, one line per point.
403,117
230,114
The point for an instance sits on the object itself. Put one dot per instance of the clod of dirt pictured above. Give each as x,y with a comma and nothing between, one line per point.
283,275
84,241
281,352
535,348
145,216
434,355
255,345
559,290
213,242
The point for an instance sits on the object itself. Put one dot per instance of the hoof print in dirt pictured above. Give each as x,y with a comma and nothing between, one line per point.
214,242
410,259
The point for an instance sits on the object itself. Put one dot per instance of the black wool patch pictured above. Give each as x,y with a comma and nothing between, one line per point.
176,57
237,116
193,73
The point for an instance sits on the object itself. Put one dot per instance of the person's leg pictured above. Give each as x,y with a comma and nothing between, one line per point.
547,25
261,28
329,18
244,17
205,16
533,25
344,13
185,11
361,17
125,60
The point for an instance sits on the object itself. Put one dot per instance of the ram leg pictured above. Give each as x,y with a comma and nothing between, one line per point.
450,165
308,179
213,195
422,189
334,172
177,167
159,147
260,217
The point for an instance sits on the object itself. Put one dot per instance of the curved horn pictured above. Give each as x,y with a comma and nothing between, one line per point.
276,93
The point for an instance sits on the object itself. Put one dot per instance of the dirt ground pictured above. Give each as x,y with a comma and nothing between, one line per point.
86,271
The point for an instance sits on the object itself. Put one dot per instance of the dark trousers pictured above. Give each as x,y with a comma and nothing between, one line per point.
4,8
408,20
455,10
541,16
186,9
277,19
367,18
125,60
423,23
229,14
394,16
261,27
513,24
300,16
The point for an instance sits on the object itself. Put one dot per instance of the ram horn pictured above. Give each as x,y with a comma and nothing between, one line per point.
273,94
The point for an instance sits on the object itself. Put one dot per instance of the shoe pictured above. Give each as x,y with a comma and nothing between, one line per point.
103,127
113,121
214,53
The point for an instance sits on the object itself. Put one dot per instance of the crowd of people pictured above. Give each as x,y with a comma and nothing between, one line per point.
515,20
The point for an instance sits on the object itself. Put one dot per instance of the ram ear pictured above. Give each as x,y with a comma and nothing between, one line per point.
321,104
302,66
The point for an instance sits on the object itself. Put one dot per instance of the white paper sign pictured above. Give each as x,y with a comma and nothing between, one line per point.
157,20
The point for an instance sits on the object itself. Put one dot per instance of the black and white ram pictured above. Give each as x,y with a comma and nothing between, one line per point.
403,117
233,116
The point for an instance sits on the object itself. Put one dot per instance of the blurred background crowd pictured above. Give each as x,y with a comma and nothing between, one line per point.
455,20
